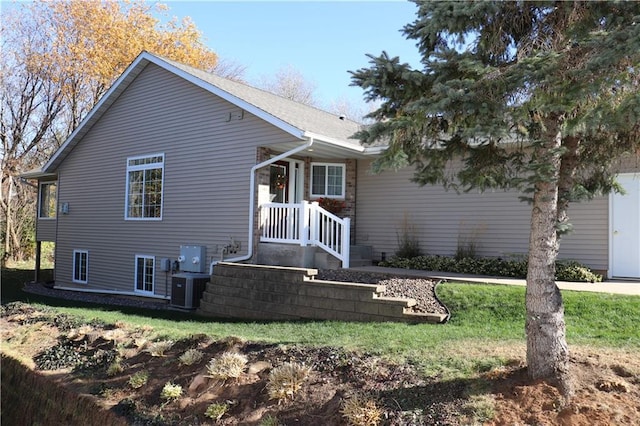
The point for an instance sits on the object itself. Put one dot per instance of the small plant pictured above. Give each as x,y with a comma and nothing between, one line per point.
114,335
468,242
227,366
270,421
408,244
115,367
361,411
286,380
171,391
216,411
140,342
190,357
159,348
139,379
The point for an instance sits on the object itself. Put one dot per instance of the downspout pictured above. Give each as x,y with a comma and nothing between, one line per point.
252,204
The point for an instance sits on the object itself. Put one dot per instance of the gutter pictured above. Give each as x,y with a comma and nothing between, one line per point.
252,203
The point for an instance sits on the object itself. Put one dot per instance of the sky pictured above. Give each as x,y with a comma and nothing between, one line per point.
322,40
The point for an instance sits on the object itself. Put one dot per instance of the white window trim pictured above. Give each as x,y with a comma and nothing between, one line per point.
55,213
344,178
73,270
135,274
143,167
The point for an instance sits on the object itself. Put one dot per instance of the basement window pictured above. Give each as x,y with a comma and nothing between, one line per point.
145,268
81,266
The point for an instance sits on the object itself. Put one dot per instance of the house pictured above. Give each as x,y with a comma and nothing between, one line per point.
176,169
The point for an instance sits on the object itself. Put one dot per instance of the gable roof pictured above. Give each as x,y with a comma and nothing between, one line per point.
299,120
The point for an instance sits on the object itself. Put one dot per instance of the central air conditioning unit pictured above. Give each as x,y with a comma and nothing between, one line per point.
187,289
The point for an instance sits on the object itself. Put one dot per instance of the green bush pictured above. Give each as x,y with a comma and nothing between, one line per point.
565,270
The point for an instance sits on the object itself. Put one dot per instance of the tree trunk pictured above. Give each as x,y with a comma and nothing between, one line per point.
547,351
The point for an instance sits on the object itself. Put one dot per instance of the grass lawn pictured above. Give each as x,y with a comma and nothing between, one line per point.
486,327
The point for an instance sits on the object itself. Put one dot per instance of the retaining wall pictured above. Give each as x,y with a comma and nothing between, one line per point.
281,293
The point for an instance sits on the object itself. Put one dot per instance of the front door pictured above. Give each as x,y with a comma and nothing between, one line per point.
625,228
279,182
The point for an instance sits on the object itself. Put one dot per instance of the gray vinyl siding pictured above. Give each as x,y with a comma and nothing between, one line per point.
46,229
207,161
497,221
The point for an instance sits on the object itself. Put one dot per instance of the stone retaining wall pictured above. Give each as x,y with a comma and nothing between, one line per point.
280,293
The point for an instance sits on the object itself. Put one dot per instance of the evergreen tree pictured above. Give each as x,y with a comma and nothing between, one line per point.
540,97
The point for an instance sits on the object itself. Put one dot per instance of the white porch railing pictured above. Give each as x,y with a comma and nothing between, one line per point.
306,224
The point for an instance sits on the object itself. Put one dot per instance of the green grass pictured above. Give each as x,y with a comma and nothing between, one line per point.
486,327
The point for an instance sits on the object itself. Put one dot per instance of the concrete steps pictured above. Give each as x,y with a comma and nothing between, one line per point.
359,255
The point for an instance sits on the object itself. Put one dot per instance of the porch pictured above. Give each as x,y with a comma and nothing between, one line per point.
307,235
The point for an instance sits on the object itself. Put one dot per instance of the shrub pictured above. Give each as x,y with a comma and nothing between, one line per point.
139,379
190,357
565,270
160,347
286,380
117,334
408,244
226,366
361,411
574,271
216,411
115,367
270,421
171,391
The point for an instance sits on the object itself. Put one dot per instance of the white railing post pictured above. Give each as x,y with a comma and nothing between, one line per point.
346,242
313,222
304,224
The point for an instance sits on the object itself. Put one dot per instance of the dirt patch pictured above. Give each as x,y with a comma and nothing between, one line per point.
102,360
607,393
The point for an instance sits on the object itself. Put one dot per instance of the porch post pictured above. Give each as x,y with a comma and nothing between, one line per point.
346,242
304,223
36,275
313,222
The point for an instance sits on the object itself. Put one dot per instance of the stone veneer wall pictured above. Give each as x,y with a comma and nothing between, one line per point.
261,292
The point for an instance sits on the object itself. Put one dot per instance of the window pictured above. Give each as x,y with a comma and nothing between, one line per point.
80,266
327,180
145,267
144,187
47,202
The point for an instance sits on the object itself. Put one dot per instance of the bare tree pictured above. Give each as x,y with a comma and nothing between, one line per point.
230,69
289,83
353,111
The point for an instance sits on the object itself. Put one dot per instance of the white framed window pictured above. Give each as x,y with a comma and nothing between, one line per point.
48,200
81,266
145,273
327,180
145,176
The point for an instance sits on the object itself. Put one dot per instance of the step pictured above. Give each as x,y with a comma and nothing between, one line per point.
354,263
324,260
361,252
